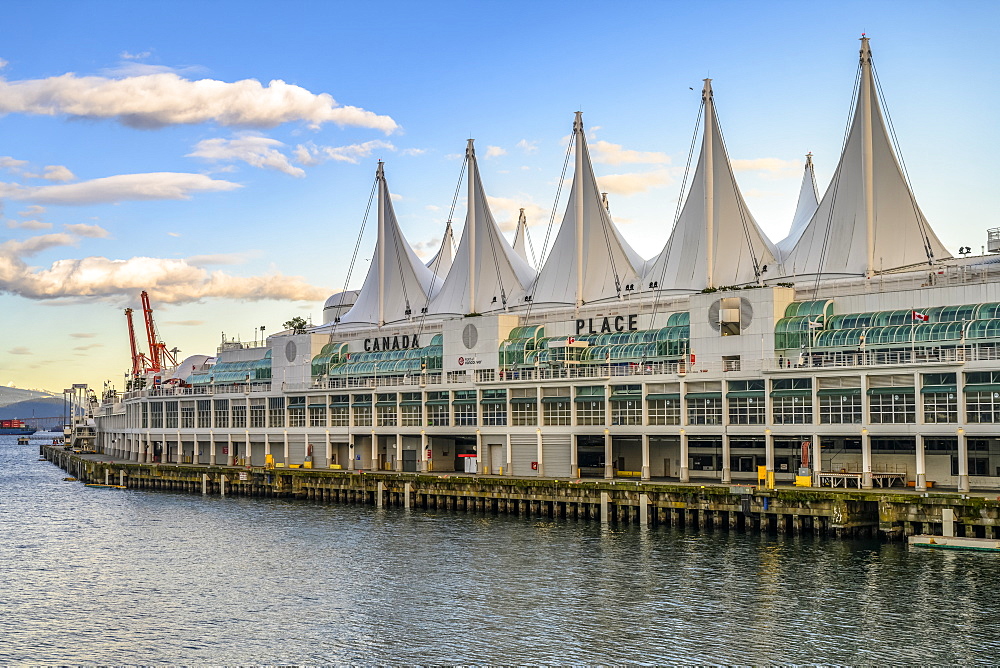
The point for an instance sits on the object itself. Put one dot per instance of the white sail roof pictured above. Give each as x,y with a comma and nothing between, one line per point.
397,283
441,262
716,242
590,260
486,274
520,241
868,221
804,209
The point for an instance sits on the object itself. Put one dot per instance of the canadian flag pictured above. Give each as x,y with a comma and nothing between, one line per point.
922,317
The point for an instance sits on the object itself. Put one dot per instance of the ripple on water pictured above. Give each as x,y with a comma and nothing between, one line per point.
94,576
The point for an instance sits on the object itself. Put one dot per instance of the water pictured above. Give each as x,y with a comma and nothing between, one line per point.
128,577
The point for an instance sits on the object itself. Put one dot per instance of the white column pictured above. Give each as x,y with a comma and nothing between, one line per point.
609,467
287,450
727,474
963,461
399,453
212,450
817,459
921,481
329,450
645,456
267,447
196,455
374,463
866,459
541,461
574,456
768,451
479,451
350,452
509,469
684,474
423,451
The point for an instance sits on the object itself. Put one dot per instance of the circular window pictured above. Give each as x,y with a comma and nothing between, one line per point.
470,336
290,351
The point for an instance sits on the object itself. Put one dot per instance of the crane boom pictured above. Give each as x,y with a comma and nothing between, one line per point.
158,353
139,361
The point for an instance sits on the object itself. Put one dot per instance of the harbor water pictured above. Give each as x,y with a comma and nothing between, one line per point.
109,576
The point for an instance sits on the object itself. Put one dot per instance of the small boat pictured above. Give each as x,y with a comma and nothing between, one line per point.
94,484
954,543
70,479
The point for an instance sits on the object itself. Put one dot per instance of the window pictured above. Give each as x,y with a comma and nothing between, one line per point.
746,410
170,408
663,411
222,413
940,407
239,416
145,415
466,411
317,414
385,409
897,408
495,408
438,409
840,408
156,415
340,416
276,411
704,410
590,411
258,414
792,410
187,415
524,413
982,407
556,411
627,411
204,413
296,411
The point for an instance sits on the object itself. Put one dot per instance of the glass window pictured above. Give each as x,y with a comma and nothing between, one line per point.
222,413
664,411
276,412
892,408
187,415
156,415
627,412
843,409
590,412
746,410
239,416
982,407
704,411
557,413
411,416
170,408
792,410
339,416
524,414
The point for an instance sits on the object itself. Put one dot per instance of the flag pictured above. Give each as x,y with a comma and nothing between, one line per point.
922,317
814,324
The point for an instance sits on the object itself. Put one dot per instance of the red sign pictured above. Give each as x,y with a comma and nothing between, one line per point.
692,359
461,361
429,453
534,466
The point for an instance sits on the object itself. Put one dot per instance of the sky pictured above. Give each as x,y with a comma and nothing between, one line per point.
221,154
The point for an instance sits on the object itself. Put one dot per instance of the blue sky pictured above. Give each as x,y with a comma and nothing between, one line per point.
144,145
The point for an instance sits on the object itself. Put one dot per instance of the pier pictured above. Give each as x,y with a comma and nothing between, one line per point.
826,512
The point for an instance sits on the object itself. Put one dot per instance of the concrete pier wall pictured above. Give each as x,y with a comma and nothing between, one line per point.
810,511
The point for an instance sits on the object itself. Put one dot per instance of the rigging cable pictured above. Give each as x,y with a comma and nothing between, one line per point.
354,257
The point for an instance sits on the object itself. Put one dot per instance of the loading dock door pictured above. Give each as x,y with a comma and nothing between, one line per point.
409,461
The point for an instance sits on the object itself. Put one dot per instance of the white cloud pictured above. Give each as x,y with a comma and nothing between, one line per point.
427,249
57,173
395,197
89,346
432,207
167,280
255,150
630,184
310,154
35,245
164,98
173,234
527,146
122,187
506,211
3,63
83,335
9,163
28,225
613,154
135,56
495,151
19,350
219,259
84,230
33,210
413,151
773,168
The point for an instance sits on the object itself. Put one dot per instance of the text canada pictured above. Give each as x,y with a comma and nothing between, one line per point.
391,343
606,325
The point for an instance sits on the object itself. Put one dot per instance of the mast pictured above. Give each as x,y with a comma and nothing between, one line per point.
380,243
706,97
470,156
867,159
578,186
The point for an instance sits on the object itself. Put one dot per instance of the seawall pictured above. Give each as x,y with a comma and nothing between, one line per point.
811,511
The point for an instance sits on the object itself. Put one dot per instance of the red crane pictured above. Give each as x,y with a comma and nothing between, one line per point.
158,353
139,361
